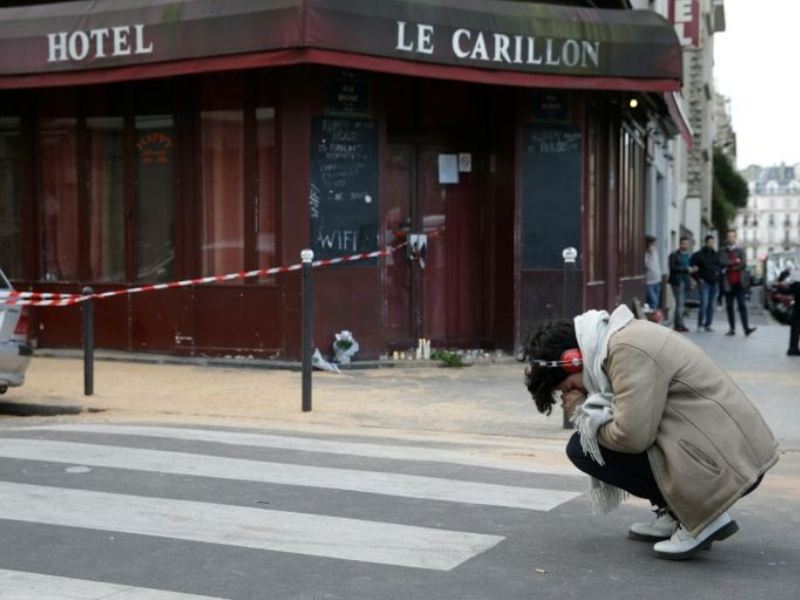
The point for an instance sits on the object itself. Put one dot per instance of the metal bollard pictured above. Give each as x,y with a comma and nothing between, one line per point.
88,343
307,256
571,304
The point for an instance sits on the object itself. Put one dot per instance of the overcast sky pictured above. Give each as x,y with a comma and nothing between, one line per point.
757,64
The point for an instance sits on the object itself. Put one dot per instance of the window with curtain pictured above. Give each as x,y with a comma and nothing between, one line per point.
266,186
222,162
597,190
106,199
59,198
155,198
631,205
11,196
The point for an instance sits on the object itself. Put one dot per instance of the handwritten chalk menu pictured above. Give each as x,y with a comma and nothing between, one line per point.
343,199
551,194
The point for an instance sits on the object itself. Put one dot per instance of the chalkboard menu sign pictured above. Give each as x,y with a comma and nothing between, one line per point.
551,189
343,200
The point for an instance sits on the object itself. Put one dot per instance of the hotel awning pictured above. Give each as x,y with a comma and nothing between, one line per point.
486,41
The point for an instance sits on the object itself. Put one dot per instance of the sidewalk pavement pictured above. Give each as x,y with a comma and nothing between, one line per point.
486,402
759,365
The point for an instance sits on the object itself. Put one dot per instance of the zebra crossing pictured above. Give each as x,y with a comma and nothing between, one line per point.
345,502
20,585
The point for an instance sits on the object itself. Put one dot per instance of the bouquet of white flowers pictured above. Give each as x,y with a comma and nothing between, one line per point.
344,347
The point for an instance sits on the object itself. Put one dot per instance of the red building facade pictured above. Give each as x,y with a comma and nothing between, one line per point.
171,140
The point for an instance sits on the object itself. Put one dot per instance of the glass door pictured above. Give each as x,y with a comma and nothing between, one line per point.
433,293
402,315
155,199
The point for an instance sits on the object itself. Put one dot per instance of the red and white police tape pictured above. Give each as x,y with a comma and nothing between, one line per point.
58,299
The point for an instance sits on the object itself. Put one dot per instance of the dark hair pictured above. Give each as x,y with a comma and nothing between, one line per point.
649,239
549,342
684,238
709,237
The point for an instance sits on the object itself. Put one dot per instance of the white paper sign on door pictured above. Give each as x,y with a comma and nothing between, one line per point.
448,168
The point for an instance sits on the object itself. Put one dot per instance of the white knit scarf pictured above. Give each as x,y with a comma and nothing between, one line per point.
593,330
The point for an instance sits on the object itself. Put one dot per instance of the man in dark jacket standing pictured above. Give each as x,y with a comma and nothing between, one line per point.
735,282
707,262
679,271
789,283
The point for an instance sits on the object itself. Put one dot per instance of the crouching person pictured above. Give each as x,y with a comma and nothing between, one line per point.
657,419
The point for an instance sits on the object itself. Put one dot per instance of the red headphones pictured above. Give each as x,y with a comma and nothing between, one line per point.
571,361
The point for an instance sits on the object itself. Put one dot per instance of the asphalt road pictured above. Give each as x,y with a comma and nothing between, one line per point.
126,511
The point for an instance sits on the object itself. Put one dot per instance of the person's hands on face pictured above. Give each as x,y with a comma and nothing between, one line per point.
573,392
572,400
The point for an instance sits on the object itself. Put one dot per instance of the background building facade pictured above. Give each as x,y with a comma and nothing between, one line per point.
680,175
771,221
725,135
691,164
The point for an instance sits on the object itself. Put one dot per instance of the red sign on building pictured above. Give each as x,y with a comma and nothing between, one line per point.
685,16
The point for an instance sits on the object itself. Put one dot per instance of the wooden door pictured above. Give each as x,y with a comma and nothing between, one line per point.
434,294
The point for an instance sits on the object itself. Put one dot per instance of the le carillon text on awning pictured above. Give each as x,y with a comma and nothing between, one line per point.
485,41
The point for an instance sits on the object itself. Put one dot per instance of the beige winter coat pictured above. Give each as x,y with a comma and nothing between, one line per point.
706,441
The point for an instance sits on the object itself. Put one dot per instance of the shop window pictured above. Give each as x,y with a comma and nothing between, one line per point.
155,198
445,105
266,243
106,199
222,162
596,242
401,103
11,197
631,205
59,198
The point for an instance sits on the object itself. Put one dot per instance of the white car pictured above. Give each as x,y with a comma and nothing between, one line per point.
15,351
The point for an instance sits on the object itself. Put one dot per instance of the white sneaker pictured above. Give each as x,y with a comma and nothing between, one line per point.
661,528
683,545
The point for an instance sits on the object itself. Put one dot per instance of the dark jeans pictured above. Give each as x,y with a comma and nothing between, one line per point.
630,472
679,291
736,293
794,332
705,314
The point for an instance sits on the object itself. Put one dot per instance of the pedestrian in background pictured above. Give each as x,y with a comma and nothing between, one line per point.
680,280
789,283
707,262
652,265
735,282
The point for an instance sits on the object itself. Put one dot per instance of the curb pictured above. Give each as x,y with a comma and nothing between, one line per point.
243,362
